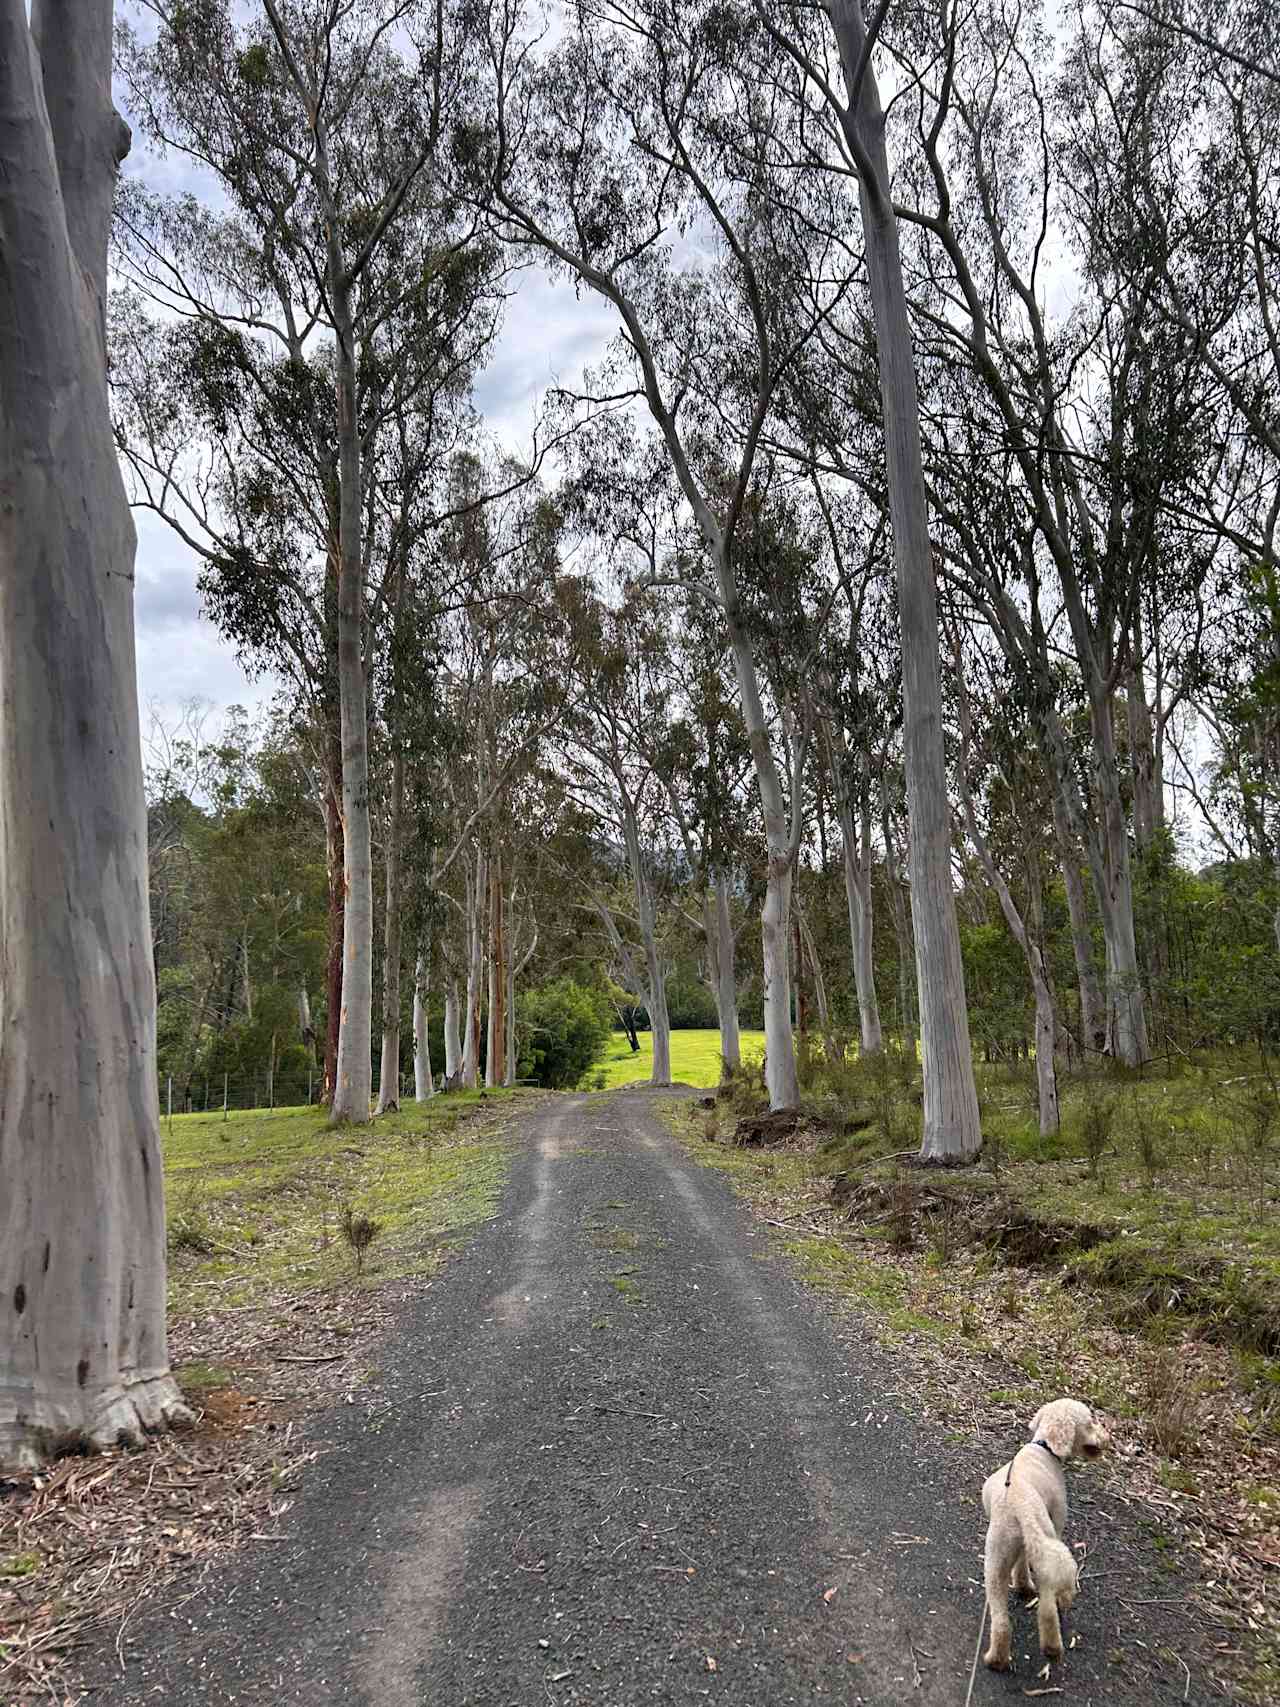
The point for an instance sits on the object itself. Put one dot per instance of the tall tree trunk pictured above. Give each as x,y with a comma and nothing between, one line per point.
781,1079
952,1130
82,1237
352,1097
452,1039
496,1055
477,896
509,1065
1093,1016
726,978
902,937
335,864
423,1082
306,1025
1148,785
857,889
389,1076
1126,1003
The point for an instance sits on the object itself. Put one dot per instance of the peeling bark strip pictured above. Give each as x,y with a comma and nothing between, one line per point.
82,1243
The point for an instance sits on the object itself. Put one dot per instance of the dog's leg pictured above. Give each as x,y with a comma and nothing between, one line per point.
1022,1583
1050,1629
997,1584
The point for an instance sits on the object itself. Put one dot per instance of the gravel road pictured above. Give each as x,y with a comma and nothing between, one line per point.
618,1455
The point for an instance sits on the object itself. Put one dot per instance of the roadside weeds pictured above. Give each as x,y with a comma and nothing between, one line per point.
272,1319
987,1339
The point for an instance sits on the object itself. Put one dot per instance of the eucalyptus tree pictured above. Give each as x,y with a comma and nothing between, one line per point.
844,137
607,759
325,140
501,545
704,762
83,1352
633,124
1219,219
1083,406
1001,765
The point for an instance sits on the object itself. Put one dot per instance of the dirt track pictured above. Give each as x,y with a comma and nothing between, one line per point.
618,1455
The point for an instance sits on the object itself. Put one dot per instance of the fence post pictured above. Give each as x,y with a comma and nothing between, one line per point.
271,1087
308,1087
224,1096
171,1103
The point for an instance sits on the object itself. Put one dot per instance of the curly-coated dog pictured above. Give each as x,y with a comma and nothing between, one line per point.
1026,1502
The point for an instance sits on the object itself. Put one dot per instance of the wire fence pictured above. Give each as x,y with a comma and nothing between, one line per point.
226,1093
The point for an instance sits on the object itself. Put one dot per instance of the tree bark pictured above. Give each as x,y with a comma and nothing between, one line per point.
857,889
902,937
83,1353
352,1098
781,1079
452,1040
335,869
306,1025
496,1054
477,895
389,1075
726,979
1093,1021
952,1130
423,1082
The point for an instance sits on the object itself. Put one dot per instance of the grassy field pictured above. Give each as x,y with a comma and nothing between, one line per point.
257,1201
695,1058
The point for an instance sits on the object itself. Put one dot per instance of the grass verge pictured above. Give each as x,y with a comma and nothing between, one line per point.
1152,1298
272,1314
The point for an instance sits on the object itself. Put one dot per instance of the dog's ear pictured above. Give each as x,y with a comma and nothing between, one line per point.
1034,1424
1057,1427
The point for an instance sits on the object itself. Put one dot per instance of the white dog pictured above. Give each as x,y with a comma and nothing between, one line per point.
1026,1502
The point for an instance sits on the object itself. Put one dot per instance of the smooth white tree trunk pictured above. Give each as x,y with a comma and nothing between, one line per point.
452,1038
477,891
83,1355
857,890
423,1082
389,1075
1126,1001
952,1129
902,935
495,1067
726,978
352,1094
781,1079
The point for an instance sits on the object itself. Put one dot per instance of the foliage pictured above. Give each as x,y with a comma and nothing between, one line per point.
563,1030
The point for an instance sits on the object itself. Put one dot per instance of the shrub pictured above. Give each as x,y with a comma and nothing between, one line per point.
563,1030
